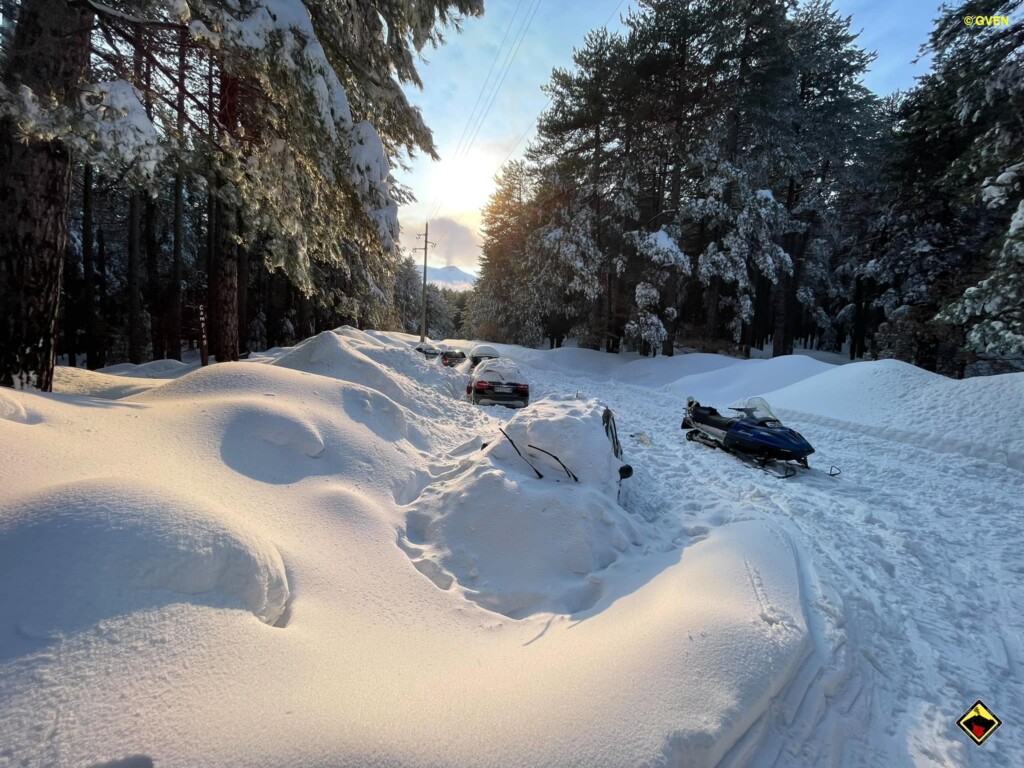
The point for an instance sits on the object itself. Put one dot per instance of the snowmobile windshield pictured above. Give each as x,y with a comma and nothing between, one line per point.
757,408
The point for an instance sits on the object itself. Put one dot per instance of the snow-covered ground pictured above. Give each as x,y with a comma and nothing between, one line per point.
324,556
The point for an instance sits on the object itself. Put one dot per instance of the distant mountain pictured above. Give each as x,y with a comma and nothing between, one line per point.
450,277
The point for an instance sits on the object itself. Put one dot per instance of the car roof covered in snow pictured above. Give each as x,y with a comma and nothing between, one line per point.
482,350
499,369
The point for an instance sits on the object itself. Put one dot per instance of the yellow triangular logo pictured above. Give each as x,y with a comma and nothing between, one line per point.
979,722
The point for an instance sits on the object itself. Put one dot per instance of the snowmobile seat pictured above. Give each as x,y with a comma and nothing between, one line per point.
710,416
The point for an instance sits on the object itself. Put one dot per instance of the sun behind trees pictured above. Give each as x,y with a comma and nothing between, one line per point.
163,149
718,175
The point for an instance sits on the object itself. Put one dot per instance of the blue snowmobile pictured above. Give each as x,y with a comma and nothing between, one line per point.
755,435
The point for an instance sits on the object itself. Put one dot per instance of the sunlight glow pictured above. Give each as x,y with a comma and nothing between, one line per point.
463,183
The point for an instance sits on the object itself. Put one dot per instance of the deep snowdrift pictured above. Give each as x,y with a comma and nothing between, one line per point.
516,543
978,417
77,554
311,558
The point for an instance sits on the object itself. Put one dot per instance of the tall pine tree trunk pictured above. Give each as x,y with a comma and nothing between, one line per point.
243,293
49,54
224,304
89,307
711,297
173,339
305,315
860,318
224,300
153,280
783,329
212,257
796,309
101,306
781,309
153,298
68,315
136,339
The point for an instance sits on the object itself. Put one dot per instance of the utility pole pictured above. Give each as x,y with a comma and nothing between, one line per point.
426,242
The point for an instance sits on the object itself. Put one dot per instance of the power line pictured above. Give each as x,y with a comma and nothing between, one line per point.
523,136
547,104
613,13
483,89
533,123
464,149
507,67
487,79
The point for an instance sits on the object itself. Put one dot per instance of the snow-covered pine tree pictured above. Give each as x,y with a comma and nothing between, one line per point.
578,138
992,310
303,165
407,295
440,324
940,232
46,60
504,310
822,147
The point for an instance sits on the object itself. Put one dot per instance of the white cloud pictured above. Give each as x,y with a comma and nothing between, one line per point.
458,242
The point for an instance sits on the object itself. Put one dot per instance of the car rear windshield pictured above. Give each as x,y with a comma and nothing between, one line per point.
500,370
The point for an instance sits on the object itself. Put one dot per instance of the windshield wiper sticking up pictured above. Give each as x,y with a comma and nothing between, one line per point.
539,475
549,453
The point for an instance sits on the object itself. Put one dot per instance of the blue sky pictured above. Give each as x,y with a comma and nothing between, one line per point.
453,190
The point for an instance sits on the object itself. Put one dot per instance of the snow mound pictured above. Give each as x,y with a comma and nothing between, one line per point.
12,410
348,332
419,372
287,371
231,381
106,385
747,378
281,426
519,544
73,555
662,371
155,369
270,440
898,401
371,365
568,359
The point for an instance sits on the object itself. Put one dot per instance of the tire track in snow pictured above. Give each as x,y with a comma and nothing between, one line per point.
891,558
936,443
911,580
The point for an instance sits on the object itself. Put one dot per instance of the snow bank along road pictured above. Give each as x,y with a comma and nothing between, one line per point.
314,559
911,560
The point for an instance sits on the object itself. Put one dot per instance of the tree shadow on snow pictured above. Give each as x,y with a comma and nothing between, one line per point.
133,761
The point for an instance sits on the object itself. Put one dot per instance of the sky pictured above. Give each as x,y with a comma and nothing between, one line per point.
459,79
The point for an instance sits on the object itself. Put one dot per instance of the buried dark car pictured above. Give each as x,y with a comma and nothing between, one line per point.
482,352
498,382
452,357
428,350
530,522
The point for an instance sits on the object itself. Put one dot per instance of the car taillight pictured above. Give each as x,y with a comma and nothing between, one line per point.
483,384
522,387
